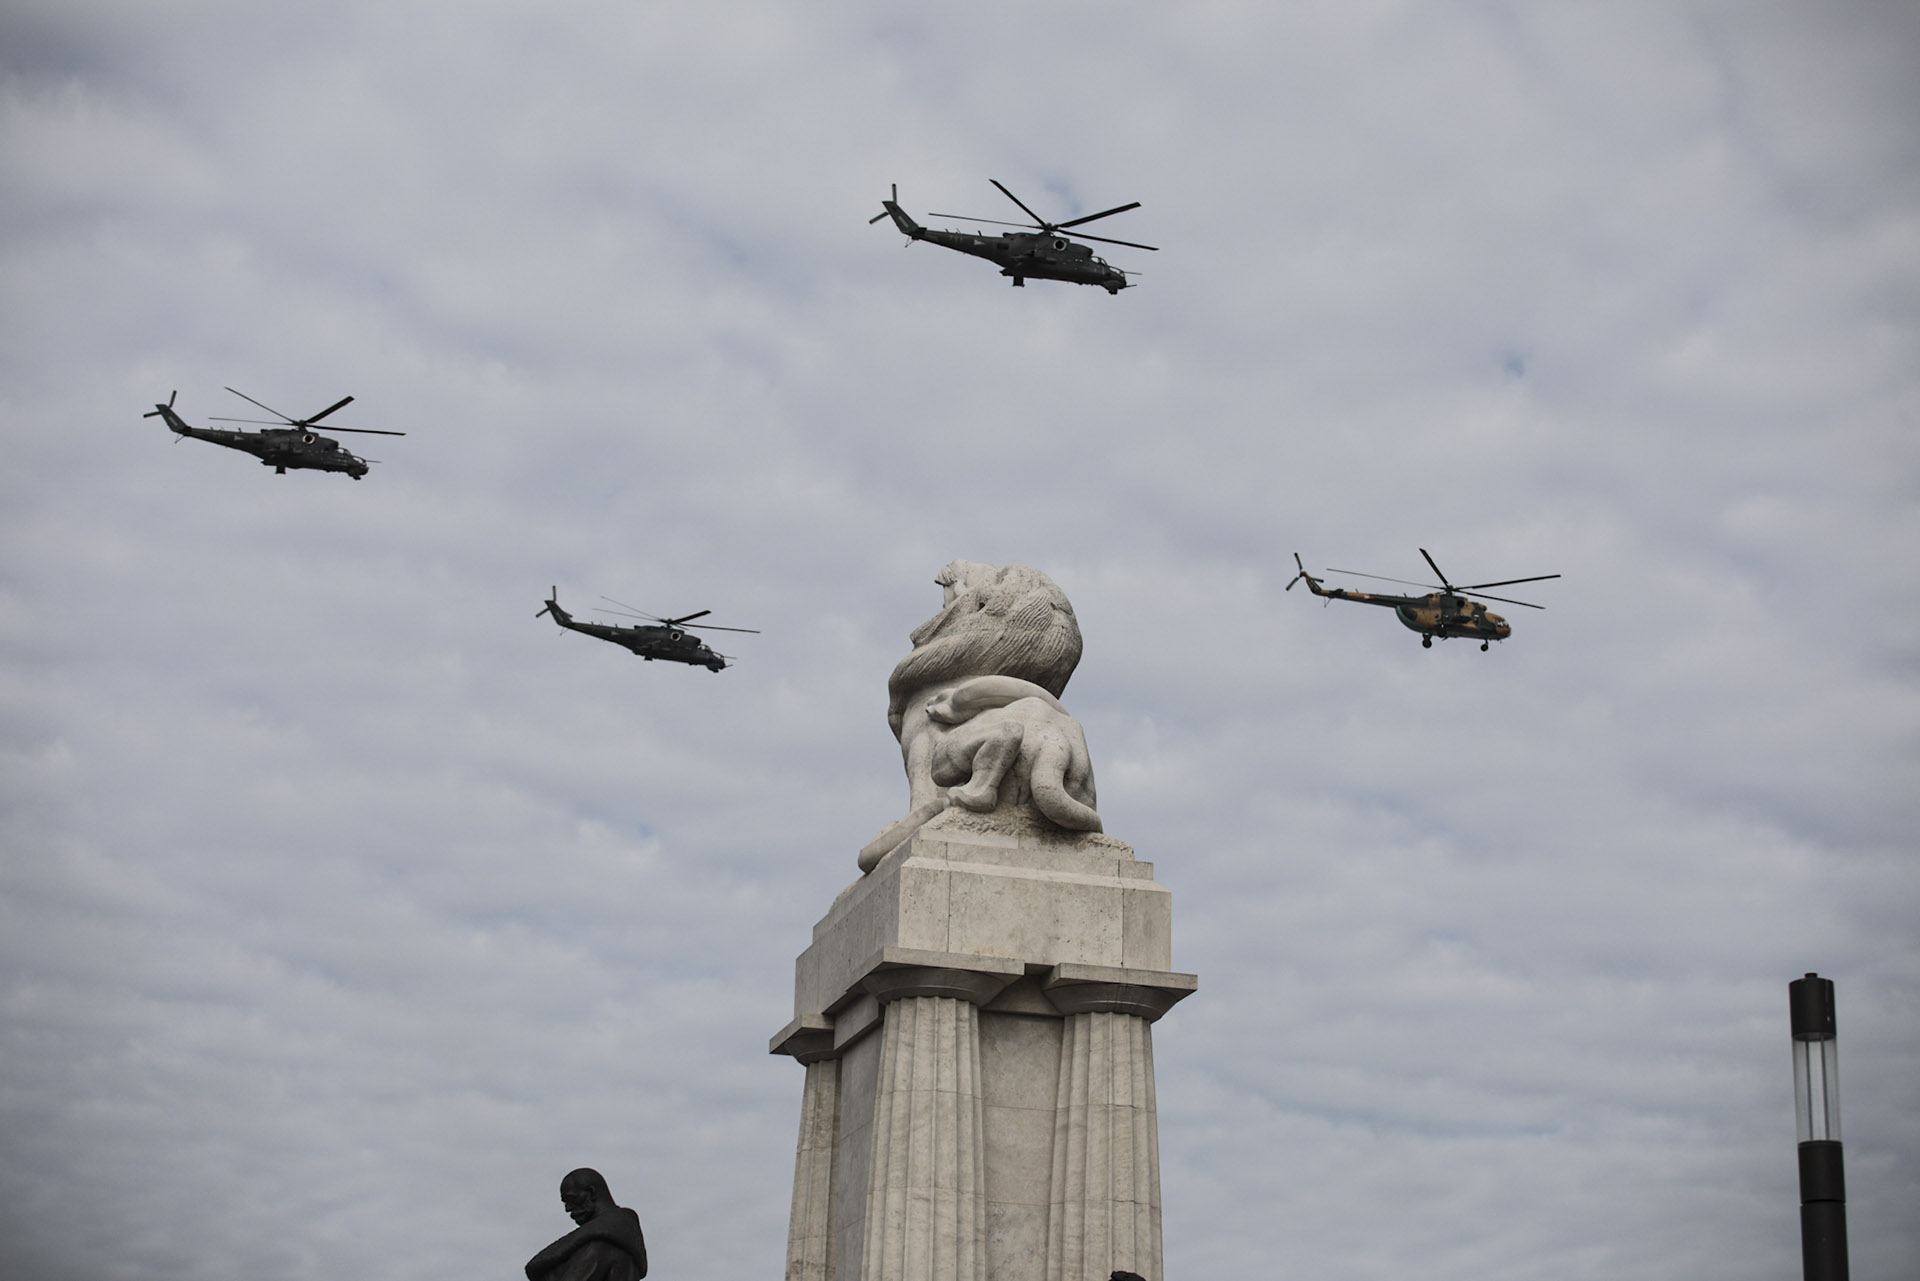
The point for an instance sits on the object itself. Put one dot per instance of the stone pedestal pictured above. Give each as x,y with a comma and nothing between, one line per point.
975,1020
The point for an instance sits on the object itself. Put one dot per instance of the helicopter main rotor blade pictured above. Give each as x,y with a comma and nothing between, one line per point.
329,409
1506,582
675,622
1023,204
1505,600
638,613
269,408
1105,240
1052,228
1436,570
364,431
998,222
1407,582
715,627
1106,214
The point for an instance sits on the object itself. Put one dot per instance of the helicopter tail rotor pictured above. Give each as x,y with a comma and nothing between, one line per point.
1313,584
890,208
165,414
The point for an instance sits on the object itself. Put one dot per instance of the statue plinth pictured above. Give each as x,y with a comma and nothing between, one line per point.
974,1016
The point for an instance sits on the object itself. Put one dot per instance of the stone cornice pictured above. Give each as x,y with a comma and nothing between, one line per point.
1106,989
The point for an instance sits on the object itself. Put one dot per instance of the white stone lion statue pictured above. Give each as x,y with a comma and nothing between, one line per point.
976,705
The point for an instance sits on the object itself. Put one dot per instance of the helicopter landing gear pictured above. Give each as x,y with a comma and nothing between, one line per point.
279,471
1019,282
1483,647
1426,642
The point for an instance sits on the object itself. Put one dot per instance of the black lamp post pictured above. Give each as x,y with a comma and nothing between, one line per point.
1816,1109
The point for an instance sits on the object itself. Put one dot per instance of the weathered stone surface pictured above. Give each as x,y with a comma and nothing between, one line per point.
977,712
954,890
810,1226
1045,956
926,1198
1105,1208
975,1011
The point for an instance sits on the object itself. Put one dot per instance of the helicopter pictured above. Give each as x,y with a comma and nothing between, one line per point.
1044,254
663,638
1444,612
295,444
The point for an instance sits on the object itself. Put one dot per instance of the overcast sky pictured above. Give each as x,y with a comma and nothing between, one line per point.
345,906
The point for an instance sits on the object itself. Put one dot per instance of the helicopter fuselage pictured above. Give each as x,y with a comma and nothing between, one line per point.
281,448
1439,614
1442,615
1022,254
668,643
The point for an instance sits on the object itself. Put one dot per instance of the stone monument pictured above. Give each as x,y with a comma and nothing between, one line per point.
975,1011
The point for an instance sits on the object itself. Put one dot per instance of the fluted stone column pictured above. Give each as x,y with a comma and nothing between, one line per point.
1105,1213
810,1226
927,1190
1105,1210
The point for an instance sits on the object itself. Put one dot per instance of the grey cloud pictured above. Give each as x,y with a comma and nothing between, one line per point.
346,905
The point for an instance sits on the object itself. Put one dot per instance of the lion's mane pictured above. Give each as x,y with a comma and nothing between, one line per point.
997,621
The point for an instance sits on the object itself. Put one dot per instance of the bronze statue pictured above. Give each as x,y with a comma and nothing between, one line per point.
607,1246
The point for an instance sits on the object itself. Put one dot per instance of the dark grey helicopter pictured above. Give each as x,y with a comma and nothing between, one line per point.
664,638
1046,253
292,442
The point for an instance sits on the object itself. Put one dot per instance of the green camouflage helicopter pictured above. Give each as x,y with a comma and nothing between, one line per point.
1047,253
292,442
1444,612
663,638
